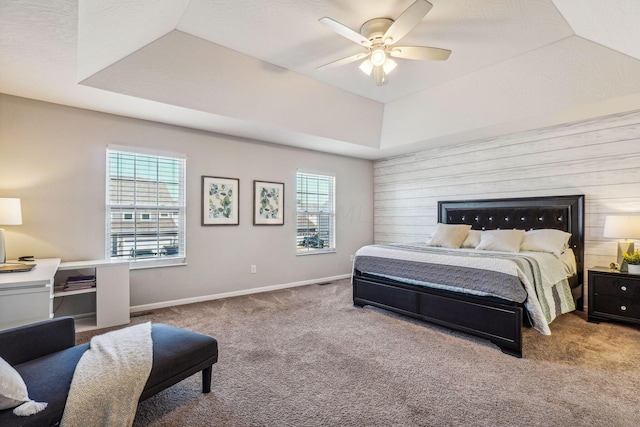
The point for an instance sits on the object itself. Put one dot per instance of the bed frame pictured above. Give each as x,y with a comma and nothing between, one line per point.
498,320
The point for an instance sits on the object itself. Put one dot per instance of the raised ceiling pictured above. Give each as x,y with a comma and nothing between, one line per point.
248,67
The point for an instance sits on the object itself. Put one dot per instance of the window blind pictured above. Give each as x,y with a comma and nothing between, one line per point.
315,203
145,206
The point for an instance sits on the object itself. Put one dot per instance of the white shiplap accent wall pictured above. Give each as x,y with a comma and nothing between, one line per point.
598,158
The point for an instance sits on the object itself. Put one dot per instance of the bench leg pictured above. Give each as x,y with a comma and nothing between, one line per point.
206,379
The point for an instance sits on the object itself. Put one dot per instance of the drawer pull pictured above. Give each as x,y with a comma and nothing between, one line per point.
624,288
623,308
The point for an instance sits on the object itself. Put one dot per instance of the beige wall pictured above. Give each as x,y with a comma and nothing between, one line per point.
597,158
53,158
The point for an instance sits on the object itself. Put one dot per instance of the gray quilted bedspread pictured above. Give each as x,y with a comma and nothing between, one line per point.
466,279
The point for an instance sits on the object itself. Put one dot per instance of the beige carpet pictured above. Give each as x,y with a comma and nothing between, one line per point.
306,357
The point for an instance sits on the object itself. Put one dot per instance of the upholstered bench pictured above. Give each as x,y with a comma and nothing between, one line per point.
45,355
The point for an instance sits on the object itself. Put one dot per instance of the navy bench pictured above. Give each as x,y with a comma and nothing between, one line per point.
45,355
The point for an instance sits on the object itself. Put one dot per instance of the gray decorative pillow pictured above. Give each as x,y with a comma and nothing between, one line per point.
449,235
13,392
501,240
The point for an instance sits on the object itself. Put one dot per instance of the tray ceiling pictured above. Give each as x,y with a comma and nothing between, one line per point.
248,67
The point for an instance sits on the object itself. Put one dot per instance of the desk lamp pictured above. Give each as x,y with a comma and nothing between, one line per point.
10,214
622,227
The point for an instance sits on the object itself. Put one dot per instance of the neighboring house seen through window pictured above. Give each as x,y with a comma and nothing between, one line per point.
316,218
145,206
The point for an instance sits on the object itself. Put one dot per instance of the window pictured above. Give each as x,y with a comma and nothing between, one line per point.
145,206
315,203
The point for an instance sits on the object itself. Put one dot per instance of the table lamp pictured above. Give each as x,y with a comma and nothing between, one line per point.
10,214
622,227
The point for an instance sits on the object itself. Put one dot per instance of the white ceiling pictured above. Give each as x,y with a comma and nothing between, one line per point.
248,67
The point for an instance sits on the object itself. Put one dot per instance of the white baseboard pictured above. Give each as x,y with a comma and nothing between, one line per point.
153,306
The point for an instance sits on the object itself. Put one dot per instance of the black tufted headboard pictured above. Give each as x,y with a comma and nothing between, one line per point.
560,212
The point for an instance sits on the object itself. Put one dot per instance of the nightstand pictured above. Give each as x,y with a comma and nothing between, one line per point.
613,296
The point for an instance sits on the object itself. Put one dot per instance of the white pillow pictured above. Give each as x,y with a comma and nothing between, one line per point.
13,392
501,240
449,235
472,240
545,240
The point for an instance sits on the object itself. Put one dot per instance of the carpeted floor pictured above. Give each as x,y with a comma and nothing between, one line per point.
306,357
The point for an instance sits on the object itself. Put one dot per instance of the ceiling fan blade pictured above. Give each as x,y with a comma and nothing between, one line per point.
343,61
407,21
345,31
420,53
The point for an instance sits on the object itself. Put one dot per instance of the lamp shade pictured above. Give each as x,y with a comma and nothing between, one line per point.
10,211
378,56
366,67
622,226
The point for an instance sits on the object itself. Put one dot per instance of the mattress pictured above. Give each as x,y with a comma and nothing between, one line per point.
536,279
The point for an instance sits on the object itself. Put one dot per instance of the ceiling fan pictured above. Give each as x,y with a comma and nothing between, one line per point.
379,36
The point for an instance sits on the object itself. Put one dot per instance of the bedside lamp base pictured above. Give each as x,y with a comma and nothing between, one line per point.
625,247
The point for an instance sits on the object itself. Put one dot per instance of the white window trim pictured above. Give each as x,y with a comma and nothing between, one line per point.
332,249
147,151
145,263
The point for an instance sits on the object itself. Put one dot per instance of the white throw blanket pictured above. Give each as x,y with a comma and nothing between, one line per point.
109,378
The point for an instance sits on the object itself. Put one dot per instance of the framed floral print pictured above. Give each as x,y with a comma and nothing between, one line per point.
268,203
220,201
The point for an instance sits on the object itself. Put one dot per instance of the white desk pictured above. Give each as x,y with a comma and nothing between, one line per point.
111,293
25,297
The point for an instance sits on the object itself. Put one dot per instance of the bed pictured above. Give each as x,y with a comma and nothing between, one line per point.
484,315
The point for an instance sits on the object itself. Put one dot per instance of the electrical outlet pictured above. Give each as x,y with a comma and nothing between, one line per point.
253,269
351,257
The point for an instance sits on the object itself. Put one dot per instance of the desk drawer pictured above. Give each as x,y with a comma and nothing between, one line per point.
20,306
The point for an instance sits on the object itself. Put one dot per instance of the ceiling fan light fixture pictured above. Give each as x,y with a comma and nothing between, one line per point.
366,67
379,76
378,56
389,65
379,36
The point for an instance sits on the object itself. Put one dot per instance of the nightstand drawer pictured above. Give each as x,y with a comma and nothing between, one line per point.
616,286
613,296
617,306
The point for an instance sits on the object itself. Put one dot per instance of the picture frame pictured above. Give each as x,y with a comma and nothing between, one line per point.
220,200
268,203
